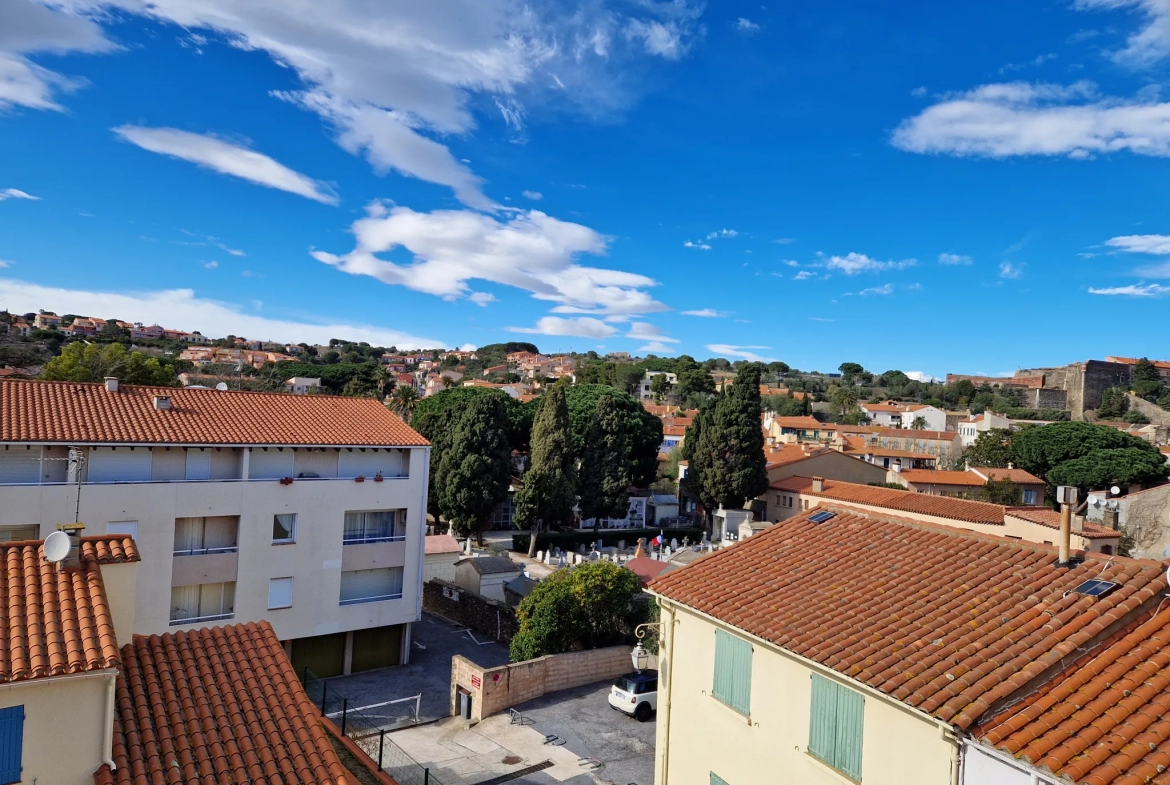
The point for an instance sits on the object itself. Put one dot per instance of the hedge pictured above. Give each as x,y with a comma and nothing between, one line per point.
568,541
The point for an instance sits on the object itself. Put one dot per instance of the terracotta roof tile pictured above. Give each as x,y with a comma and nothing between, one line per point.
805,423
56,621
441,543
1051,519
948,621
1101,720
219,704
1015,475
893,499
73,413
109,549
646,568
924,477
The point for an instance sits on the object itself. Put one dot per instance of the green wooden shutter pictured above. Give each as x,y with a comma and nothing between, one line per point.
822,728
850,727
717,780
733,671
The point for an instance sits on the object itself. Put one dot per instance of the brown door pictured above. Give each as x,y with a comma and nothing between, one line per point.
378,647
324,655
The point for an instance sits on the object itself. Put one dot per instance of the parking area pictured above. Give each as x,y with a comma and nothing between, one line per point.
433,642
593,744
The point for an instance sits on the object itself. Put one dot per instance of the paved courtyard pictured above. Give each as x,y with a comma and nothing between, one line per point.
621,749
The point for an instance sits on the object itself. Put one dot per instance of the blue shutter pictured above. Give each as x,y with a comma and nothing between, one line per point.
822,726
717,780
11,743
733,671
850,726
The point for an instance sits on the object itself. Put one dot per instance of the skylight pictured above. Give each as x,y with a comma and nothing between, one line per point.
821,517
1095,588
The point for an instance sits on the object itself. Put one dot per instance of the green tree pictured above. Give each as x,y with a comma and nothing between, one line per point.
1101,468
660,386
475,467
697,460
589,607
730,451
844,400
850,370
1114,404
430,413
992,448
1087,455
1146,371
1136,417
548,494
384,380
1003,492
82,362
605,464
694,381
918,423
643,428
404,401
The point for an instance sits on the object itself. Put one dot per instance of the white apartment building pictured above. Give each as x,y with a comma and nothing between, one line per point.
892,414
644,391
305,511
970,428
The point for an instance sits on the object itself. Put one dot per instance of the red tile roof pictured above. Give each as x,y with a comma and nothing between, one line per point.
908,433
1103,719
440,543
893,499
1015,475
803,423
646,568
953,623
791,453
219,704
925,476
57,620
1051,519
74,413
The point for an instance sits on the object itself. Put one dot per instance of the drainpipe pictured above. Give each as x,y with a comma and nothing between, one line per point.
669,693
947,734
108,734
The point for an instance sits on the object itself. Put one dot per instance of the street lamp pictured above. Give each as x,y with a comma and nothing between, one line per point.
639,656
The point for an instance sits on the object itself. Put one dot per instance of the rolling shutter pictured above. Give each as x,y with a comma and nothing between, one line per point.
20,467
733,671
198,464
357,585
120,464
270,464
368,462
11,743
280,593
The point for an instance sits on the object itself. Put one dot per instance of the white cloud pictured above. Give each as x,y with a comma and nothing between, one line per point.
820,319
226,158
855,263
1133,290
182,309
706,313
722,233
232,251
529,250
4,263
30,28
702,246
16,193
1019,118
1010,270
582,326
742,352
804,275
644,331
792,263
468,347
481,298
1141,243
919,376
953,258
919,91
535,196
211,265
1152,42
655,347
746,25
882,290
784,240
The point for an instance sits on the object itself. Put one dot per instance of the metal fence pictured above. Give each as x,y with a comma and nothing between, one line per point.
368,731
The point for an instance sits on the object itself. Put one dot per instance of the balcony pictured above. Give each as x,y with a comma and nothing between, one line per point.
360,600
212,565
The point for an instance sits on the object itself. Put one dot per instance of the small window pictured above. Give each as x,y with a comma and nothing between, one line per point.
124,528
16,533
836,725
280,593
1029,497
11,743
284,528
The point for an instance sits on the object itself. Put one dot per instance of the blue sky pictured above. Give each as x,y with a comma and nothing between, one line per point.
928,188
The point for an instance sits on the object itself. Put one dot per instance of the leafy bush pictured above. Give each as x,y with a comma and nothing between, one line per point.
568,541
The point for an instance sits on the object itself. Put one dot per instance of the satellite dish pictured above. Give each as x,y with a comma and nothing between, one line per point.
56,547
1115,490
222,386
1094,501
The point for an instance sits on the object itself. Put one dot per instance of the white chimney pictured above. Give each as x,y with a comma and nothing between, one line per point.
1078,523
162,402
111,384
818,484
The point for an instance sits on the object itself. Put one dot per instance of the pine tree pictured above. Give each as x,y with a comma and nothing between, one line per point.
731,446
605,466
475,467
548,493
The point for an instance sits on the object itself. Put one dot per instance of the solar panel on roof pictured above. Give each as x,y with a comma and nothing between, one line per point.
821,517
1095,588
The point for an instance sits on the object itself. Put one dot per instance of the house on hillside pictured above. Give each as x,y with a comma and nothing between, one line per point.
973,425
893,414
970,483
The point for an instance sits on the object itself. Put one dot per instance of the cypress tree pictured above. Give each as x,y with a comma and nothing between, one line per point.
605,470
549,491
475,467
697,458
731,447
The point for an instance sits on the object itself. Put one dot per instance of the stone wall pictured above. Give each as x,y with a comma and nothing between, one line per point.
1155,413
476,612
1044,398
494,690
1082,383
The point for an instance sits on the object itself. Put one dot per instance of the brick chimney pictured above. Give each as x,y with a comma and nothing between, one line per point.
1109,518
818,484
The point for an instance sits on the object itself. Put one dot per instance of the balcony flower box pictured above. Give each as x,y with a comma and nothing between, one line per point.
359,478
286,480
378,477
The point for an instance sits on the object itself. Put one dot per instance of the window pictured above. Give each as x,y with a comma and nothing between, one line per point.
11,743
359,586
203,602
280,593
197,536
15,533
1029,497
284,528
835,725
125,528
375,526
733,671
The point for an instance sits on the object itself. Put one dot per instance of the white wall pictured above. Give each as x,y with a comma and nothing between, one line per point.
983,767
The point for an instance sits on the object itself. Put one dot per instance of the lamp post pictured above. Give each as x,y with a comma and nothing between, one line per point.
639,656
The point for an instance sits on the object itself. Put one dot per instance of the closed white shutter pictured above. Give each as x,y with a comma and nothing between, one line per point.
270,464
368,462
20,467
120,464
198,464
383,583
280,593
128,528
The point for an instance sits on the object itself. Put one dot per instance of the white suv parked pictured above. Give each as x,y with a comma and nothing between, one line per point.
636,694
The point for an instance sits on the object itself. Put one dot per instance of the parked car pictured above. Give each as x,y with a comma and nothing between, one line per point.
636,694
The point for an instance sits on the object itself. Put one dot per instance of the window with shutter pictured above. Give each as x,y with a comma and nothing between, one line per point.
280,593
11,743
733,671
836,725
717,780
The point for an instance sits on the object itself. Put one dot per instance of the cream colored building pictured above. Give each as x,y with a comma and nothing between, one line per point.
305,511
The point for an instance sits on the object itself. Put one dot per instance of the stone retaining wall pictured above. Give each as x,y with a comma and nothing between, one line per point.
494,619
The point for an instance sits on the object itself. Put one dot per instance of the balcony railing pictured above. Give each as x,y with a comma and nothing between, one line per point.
227,479
360,600
202,619
364,539
202,551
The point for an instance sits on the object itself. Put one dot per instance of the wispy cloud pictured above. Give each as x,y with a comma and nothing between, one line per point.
16,193
1149,44
211,265
644,331
702,246
804,275
920,376
745,25
722,233
820,319
655,347
856,263
226,158
583,326
481,298
1010,270
872,291
741,352
1141,243
1133,290
706,313
535,196
953,258
784,240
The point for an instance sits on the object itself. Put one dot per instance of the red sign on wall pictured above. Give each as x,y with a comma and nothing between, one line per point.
476,682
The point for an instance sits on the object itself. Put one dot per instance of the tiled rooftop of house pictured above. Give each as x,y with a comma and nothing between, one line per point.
791,453
803,423
219,704
440,543
953,623
57,620
1103,720
1051,519
931,477
648,569
893,499
1015,475
75,413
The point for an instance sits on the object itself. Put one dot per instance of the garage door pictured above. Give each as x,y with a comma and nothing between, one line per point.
324,655
379,647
